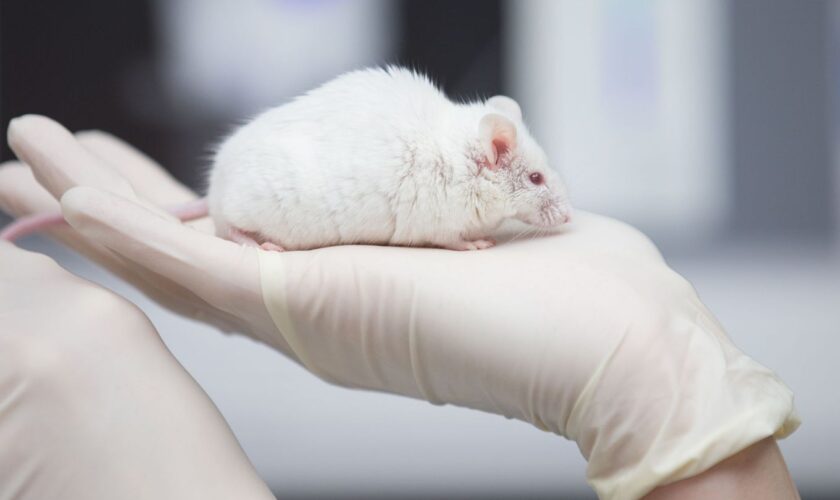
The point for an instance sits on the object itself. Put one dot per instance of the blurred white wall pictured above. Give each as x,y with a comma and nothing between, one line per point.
233,59
628,97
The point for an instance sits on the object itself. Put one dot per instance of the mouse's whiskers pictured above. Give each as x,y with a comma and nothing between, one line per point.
520,234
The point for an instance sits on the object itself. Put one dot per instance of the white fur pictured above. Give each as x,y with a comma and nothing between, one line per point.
377,156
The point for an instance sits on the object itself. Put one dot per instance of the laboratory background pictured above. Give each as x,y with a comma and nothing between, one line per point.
713,126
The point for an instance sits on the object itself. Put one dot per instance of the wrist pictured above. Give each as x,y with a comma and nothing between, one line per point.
757,472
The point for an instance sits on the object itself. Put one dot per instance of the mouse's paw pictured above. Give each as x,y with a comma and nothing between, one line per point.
471,245
272,247
237,235
245,238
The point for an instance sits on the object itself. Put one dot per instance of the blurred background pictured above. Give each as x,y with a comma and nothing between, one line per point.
711,125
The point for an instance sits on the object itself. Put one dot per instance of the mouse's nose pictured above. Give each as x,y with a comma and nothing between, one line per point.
565,214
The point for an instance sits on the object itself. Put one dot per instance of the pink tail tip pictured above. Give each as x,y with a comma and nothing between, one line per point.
30,224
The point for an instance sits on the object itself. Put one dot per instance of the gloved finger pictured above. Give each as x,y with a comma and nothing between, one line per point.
57,160
149,180
146,177
20,193
219,272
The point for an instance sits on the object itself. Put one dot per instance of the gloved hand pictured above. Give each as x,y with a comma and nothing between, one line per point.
587,334
93,405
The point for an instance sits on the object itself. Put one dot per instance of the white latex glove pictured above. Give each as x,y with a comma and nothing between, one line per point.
587,334
92,404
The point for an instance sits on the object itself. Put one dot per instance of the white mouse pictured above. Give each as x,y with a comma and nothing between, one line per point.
376,156
381,156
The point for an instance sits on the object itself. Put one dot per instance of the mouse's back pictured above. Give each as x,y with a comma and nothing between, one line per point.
340,149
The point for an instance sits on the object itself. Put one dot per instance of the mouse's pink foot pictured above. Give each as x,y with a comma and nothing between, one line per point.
237,235
471,245
271,247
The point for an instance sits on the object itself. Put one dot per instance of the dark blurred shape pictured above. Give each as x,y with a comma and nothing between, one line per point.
781,154
68,60
457,43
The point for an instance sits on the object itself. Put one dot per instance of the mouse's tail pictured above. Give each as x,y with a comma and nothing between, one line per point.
29,224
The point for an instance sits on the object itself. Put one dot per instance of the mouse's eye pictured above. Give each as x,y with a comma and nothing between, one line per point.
536,179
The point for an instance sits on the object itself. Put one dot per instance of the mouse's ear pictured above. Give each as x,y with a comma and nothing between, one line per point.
498,136
506,105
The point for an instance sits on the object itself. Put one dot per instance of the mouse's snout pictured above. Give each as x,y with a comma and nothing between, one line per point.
551,213
566,217
557,212
565,214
